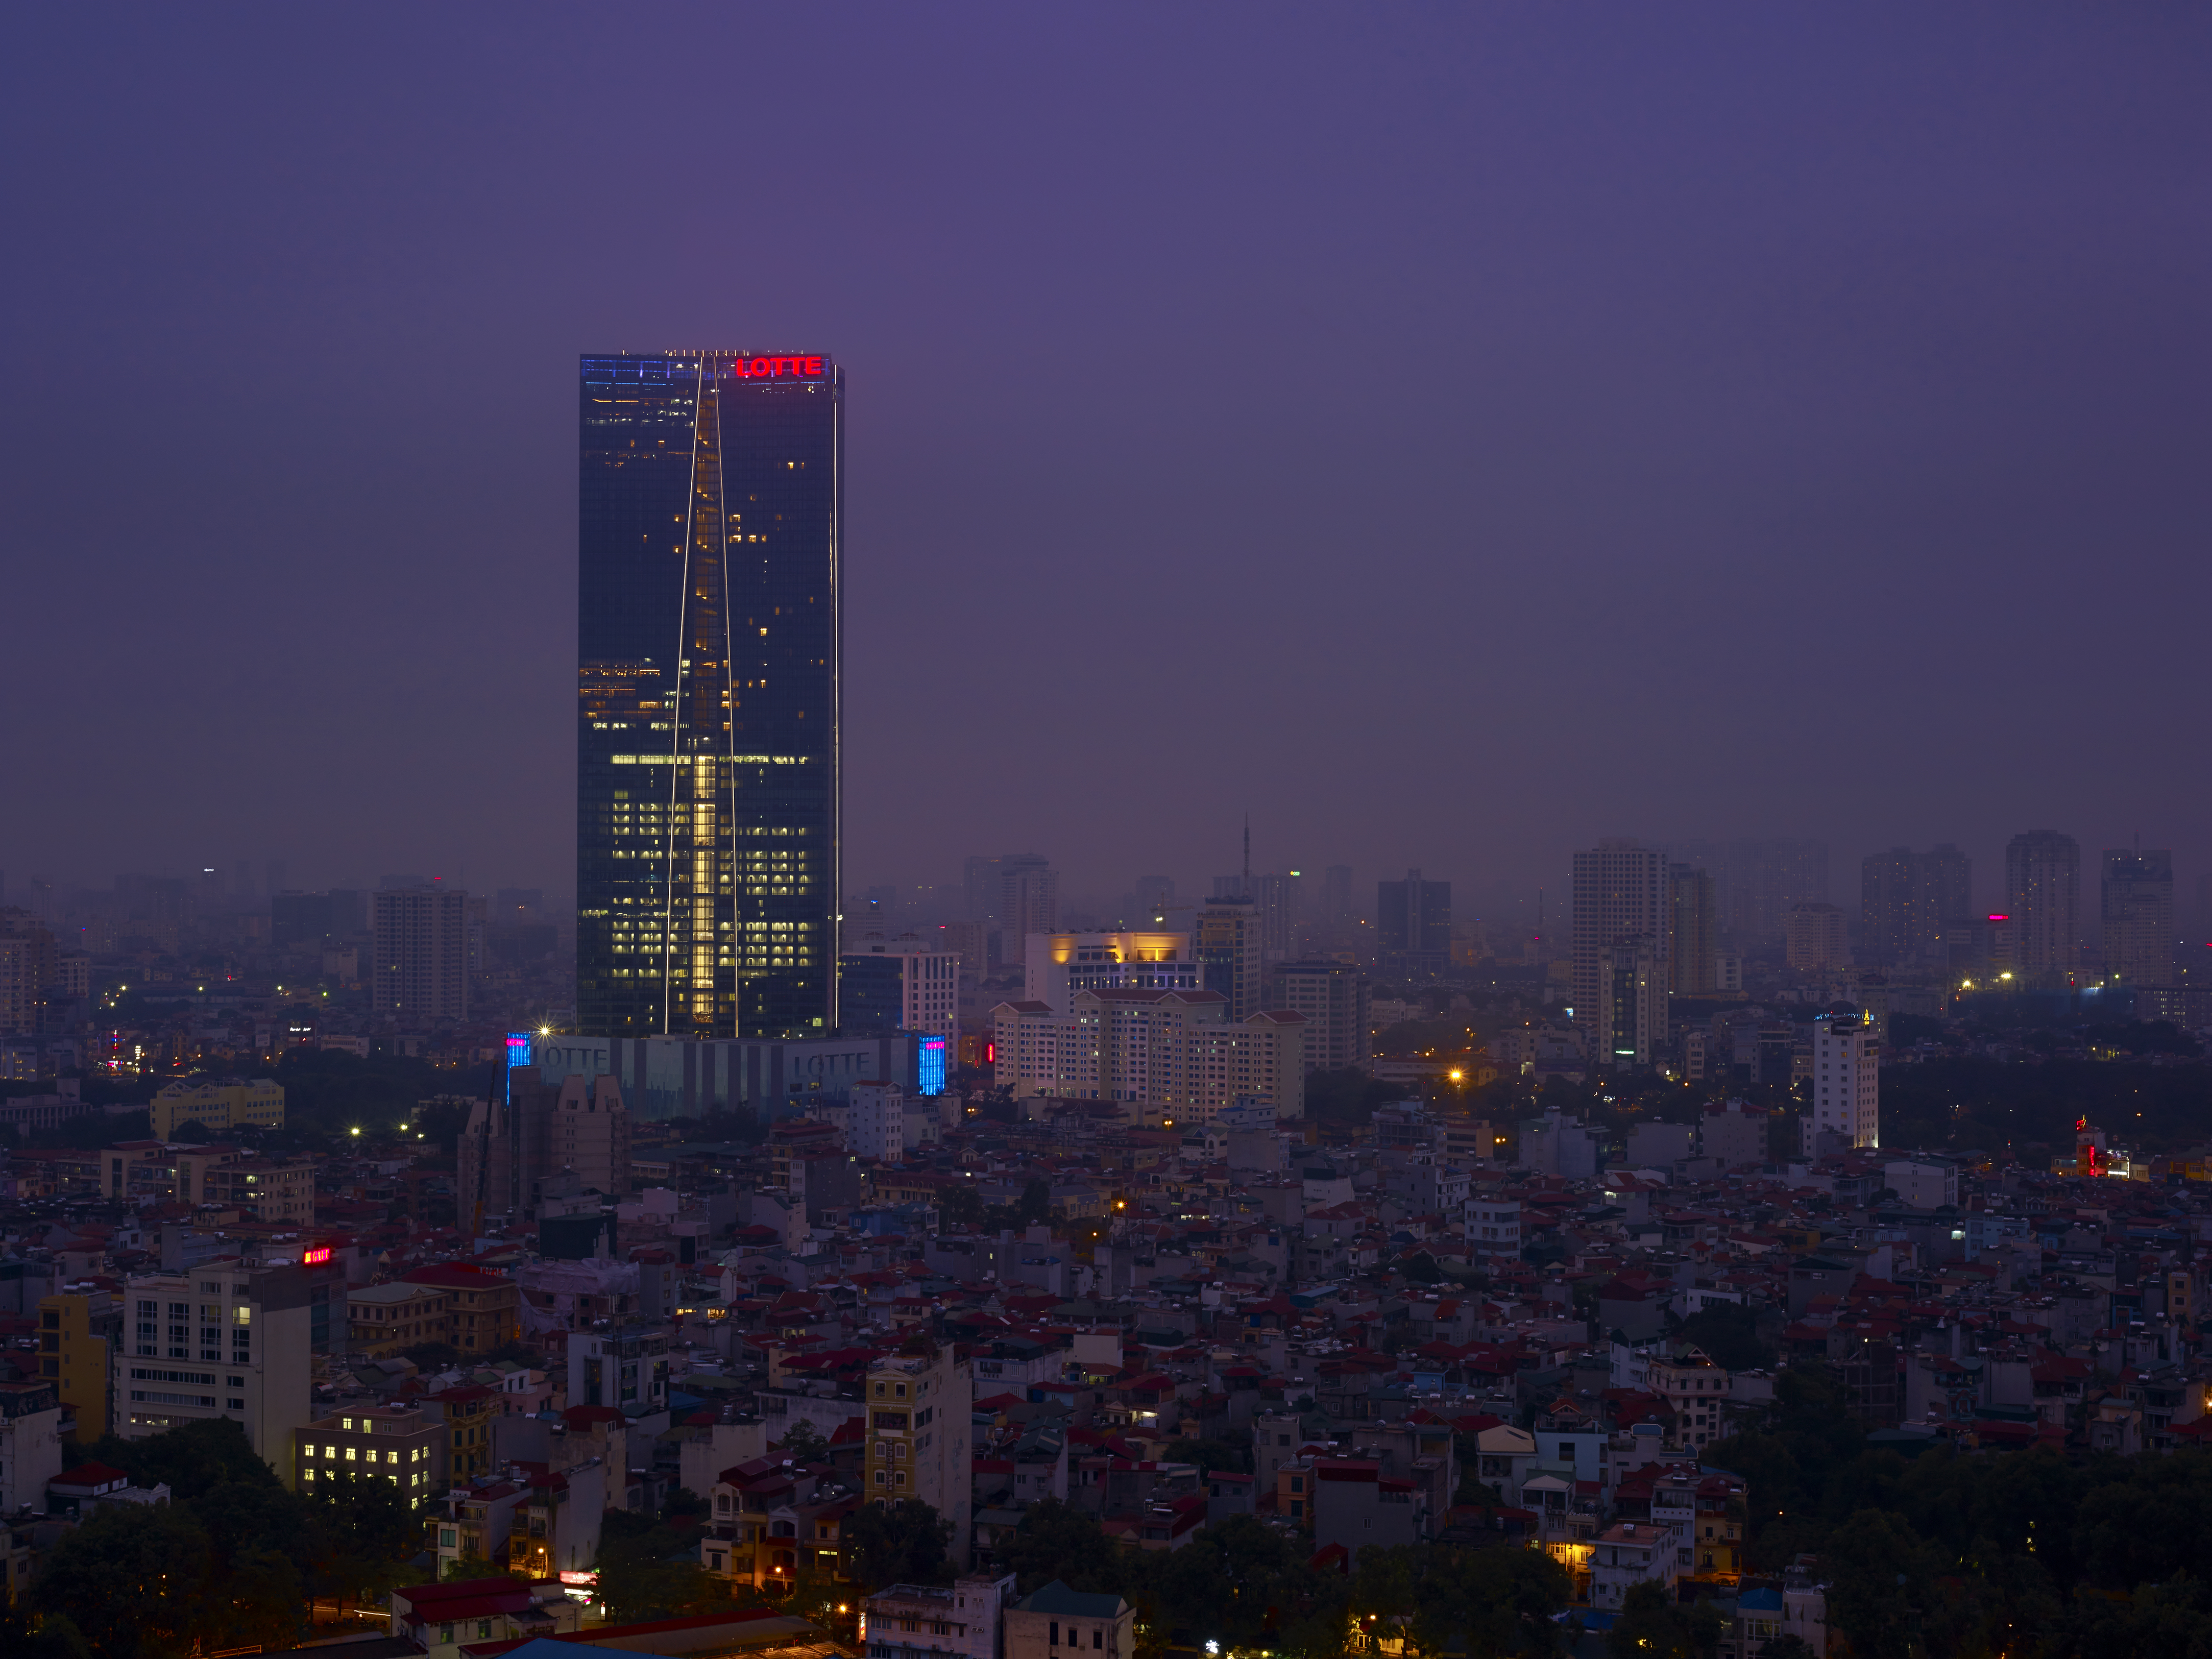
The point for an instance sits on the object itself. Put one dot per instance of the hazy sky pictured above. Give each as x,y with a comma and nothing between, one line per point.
1451,434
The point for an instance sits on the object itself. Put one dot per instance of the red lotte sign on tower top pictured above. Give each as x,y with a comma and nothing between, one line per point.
768,368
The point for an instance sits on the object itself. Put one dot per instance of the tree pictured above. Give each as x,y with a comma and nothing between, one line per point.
1211,1455
1880,1585
900,1543
28,1635
190,1460
802,1443
635,1589
372,1533
135,1578
1728,1336
432,1356
1649,1626
1056,1541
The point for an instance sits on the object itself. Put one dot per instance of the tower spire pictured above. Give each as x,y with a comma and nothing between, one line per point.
1247,854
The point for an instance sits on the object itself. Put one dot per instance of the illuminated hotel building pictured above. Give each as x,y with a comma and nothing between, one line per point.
707,745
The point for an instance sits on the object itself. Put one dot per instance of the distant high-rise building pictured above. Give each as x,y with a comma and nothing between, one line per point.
1845,1092
1904,897
1147,904
1630,1027
518,903
1621,898
904,983
1813,937
1413,925
1277,895
2042,891
1029,902
980,882
1693,966
30,965
1762,879
1977,949
1224,936
1334,998
710,631
2138,916
1336,895
421,953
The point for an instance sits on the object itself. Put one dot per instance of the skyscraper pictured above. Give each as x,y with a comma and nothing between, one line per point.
1693,967
1762,879
1621,905
710,631
1224,938
421,953
1413,925
1813,937
1904,899
2138,916
2043,888
1029,902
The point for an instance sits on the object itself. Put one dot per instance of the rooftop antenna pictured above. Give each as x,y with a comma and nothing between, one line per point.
1247,854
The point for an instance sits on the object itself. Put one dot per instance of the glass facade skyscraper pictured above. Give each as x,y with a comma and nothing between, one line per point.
709,633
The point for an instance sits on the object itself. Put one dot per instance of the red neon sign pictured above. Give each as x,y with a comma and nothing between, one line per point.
1998,917
316,1256
768,368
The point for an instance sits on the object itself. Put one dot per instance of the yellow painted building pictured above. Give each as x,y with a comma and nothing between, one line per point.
231,1102
80,1337
385,1318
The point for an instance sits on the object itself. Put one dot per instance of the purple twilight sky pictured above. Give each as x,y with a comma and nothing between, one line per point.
1449,433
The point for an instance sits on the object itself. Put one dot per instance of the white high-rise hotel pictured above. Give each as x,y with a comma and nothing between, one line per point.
1846,1083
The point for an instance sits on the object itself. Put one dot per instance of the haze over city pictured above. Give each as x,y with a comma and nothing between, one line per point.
1449,437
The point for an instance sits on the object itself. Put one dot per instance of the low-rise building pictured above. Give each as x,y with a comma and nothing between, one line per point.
466,1414
230,1103
401,1444
30,1443
483,1310
1055,1622
440,1620
1628,1554
386,1318
915,1621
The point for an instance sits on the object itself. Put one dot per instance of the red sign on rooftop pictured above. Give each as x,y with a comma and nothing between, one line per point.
769,368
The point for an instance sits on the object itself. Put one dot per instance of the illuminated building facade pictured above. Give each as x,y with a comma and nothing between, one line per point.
709,633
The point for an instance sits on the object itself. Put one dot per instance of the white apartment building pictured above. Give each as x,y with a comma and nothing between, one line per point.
920,1402
870,1120
225,1340
1627,1554
1172,1055
1845,1087
1922,1184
